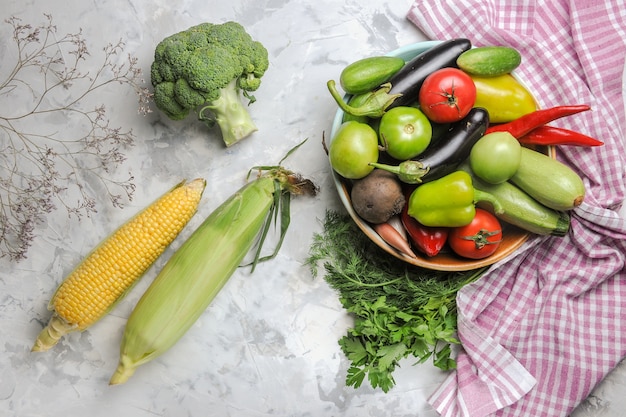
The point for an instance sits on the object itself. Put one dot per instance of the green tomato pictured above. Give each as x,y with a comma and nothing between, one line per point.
352,149
405,132
496,157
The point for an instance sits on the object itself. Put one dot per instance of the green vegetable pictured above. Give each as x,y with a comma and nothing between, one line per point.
369,73
549,181
489,61
409,172
400,311
352,148
356,101
519,209
204,68
374,105
404,132
443,156
446,202
496,156
197,271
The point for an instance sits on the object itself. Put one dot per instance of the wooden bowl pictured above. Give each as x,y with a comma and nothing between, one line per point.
446,260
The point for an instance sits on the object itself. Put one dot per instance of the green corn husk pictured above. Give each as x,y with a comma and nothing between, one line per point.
199,269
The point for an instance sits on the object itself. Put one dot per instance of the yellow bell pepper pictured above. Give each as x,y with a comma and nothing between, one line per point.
504,98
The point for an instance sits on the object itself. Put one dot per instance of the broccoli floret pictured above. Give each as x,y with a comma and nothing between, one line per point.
203,70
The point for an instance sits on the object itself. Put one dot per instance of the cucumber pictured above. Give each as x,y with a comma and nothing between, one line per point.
519,209
368,73
549,181
489,61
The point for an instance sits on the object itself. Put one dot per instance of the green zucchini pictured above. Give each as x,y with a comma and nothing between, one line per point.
369,73
550,182
519,209
489,61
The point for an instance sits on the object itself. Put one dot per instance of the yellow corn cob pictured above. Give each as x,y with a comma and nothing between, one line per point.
198,270
111,269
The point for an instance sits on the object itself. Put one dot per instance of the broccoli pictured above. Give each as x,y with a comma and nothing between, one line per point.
203,69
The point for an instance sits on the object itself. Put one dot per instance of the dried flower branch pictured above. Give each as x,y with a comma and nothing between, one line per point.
40,169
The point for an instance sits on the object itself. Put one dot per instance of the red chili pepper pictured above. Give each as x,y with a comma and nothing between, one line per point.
428,240
522,125
551,135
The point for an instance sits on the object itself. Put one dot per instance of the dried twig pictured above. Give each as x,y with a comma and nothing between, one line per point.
40,169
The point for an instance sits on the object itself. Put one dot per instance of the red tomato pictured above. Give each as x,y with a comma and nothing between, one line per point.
447,95
479,239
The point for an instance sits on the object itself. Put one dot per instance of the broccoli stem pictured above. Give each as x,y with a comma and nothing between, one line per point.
231,116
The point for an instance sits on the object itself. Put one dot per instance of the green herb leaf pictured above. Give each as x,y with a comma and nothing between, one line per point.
354,350
399,310
355,376
390,355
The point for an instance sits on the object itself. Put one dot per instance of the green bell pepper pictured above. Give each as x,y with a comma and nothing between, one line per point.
448,201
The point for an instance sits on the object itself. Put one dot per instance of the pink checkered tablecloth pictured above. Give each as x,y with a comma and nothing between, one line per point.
542,328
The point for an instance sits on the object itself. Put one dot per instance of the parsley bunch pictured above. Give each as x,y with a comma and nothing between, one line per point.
400,310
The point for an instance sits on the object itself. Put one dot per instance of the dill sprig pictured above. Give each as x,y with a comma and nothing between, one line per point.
400,310
42,169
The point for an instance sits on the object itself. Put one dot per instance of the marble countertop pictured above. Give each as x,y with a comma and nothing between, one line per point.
267,345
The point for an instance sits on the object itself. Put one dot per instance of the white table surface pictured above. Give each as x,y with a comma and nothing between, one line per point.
268,344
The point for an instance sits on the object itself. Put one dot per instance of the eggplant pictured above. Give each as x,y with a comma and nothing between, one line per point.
445,155
404,86
410,78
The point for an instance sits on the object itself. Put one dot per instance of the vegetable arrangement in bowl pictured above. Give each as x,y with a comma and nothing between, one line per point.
471,156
